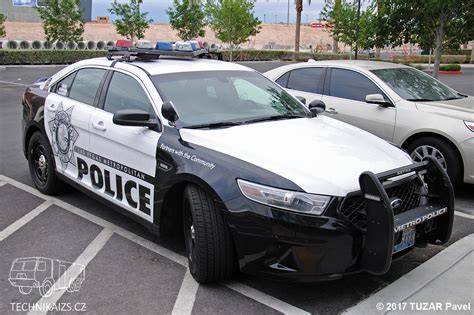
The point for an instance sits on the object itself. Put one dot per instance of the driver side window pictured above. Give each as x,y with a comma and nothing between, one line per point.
125,92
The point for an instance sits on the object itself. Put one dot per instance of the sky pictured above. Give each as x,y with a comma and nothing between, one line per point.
266,10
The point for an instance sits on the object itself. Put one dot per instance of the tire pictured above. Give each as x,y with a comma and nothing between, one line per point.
44,290
443,151
25,290
41,164
209,245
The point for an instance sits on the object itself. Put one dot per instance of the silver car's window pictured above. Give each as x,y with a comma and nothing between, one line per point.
351,85
414,85
306,79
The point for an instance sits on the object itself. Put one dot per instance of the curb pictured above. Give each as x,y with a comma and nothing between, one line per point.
406,287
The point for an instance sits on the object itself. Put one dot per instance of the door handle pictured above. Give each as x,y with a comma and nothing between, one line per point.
51,108
99,125
331,111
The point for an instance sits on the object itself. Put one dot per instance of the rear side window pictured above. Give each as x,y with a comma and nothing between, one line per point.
125,92
283,80
85,85
306,80
351,85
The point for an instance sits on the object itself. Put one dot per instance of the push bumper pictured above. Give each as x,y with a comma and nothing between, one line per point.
294,247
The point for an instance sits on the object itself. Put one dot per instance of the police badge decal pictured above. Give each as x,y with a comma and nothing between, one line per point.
63,135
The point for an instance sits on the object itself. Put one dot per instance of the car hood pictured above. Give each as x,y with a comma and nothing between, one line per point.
320,155
461,109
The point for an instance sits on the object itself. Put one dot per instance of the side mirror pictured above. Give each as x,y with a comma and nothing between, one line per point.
377,99
301,99
134,117
317,107
169,112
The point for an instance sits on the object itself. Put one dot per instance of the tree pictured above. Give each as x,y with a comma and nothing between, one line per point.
299,9
187,18
3,33
434,24
62,20
130,22
233,21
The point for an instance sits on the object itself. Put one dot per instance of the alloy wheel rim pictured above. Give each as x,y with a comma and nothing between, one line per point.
40,163
426,150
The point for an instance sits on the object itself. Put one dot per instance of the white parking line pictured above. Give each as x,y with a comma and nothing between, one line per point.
464,215
263,298
186,296
12,228
241,288
14,83
2,183
75,269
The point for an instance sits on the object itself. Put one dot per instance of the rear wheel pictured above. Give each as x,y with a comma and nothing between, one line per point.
40,160
25,290
208,240
45,289
442,151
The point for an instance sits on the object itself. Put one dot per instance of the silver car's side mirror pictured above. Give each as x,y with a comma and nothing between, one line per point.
377,99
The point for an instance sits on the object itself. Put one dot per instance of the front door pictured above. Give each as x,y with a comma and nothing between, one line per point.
121,162
345,101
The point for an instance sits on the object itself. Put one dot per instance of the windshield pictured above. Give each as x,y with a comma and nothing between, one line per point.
213,97
414,85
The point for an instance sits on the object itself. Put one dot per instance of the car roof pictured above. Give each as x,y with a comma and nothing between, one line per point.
173,65
359,64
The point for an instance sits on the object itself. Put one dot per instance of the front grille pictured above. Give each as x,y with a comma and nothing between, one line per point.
352,207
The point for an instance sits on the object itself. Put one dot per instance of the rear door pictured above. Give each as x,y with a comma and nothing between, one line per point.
122,159
66,116
344,95
304,82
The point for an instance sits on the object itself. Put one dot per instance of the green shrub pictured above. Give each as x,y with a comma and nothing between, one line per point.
465,52
424,59
266,55
450,67
46,56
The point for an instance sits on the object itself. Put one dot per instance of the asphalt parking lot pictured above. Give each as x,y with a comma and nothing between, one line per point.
126,268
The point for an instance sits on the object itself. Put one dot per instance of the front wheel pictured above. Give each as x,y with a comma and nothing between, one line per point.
208,240
442,151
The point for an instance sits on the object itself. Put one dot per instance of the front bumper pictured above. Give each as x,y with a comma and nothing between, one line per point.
297,247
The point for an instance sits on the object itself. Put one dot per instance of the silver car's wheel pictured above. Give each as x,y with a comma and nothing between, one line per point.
426,150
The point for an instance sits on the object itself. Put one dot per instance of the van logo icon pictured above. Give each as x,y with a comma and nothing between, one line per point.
46,275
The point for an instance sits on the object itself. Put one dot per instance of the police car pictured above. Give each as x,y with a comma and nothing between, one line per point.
254,179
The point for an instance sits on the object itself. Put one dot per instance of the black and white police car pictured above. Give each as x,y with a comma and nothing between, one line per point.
251,177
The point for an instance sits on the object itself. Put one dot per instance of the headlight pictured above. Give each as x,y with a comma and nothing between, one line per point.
284,199
469,125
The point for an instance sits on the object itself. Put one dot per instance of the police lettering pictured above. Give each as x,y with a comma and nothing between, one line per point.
101,179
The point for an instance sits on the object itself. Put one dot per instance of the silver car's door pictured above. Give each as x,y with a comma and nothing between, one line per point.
344,95
304,82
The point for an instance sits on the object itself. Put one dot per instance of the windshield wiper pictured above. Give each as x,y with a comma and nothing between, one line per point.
274,117
453,98
221,124
420,100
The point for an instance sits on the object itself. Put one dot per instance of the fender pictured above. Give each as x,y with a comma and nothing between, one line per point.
33,113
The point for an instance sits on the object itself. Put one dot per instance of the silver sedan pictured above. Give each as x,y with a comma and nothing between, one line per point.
395,102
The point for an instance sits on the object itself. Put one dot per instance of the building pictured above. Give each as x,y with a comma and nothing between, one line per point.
24,10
